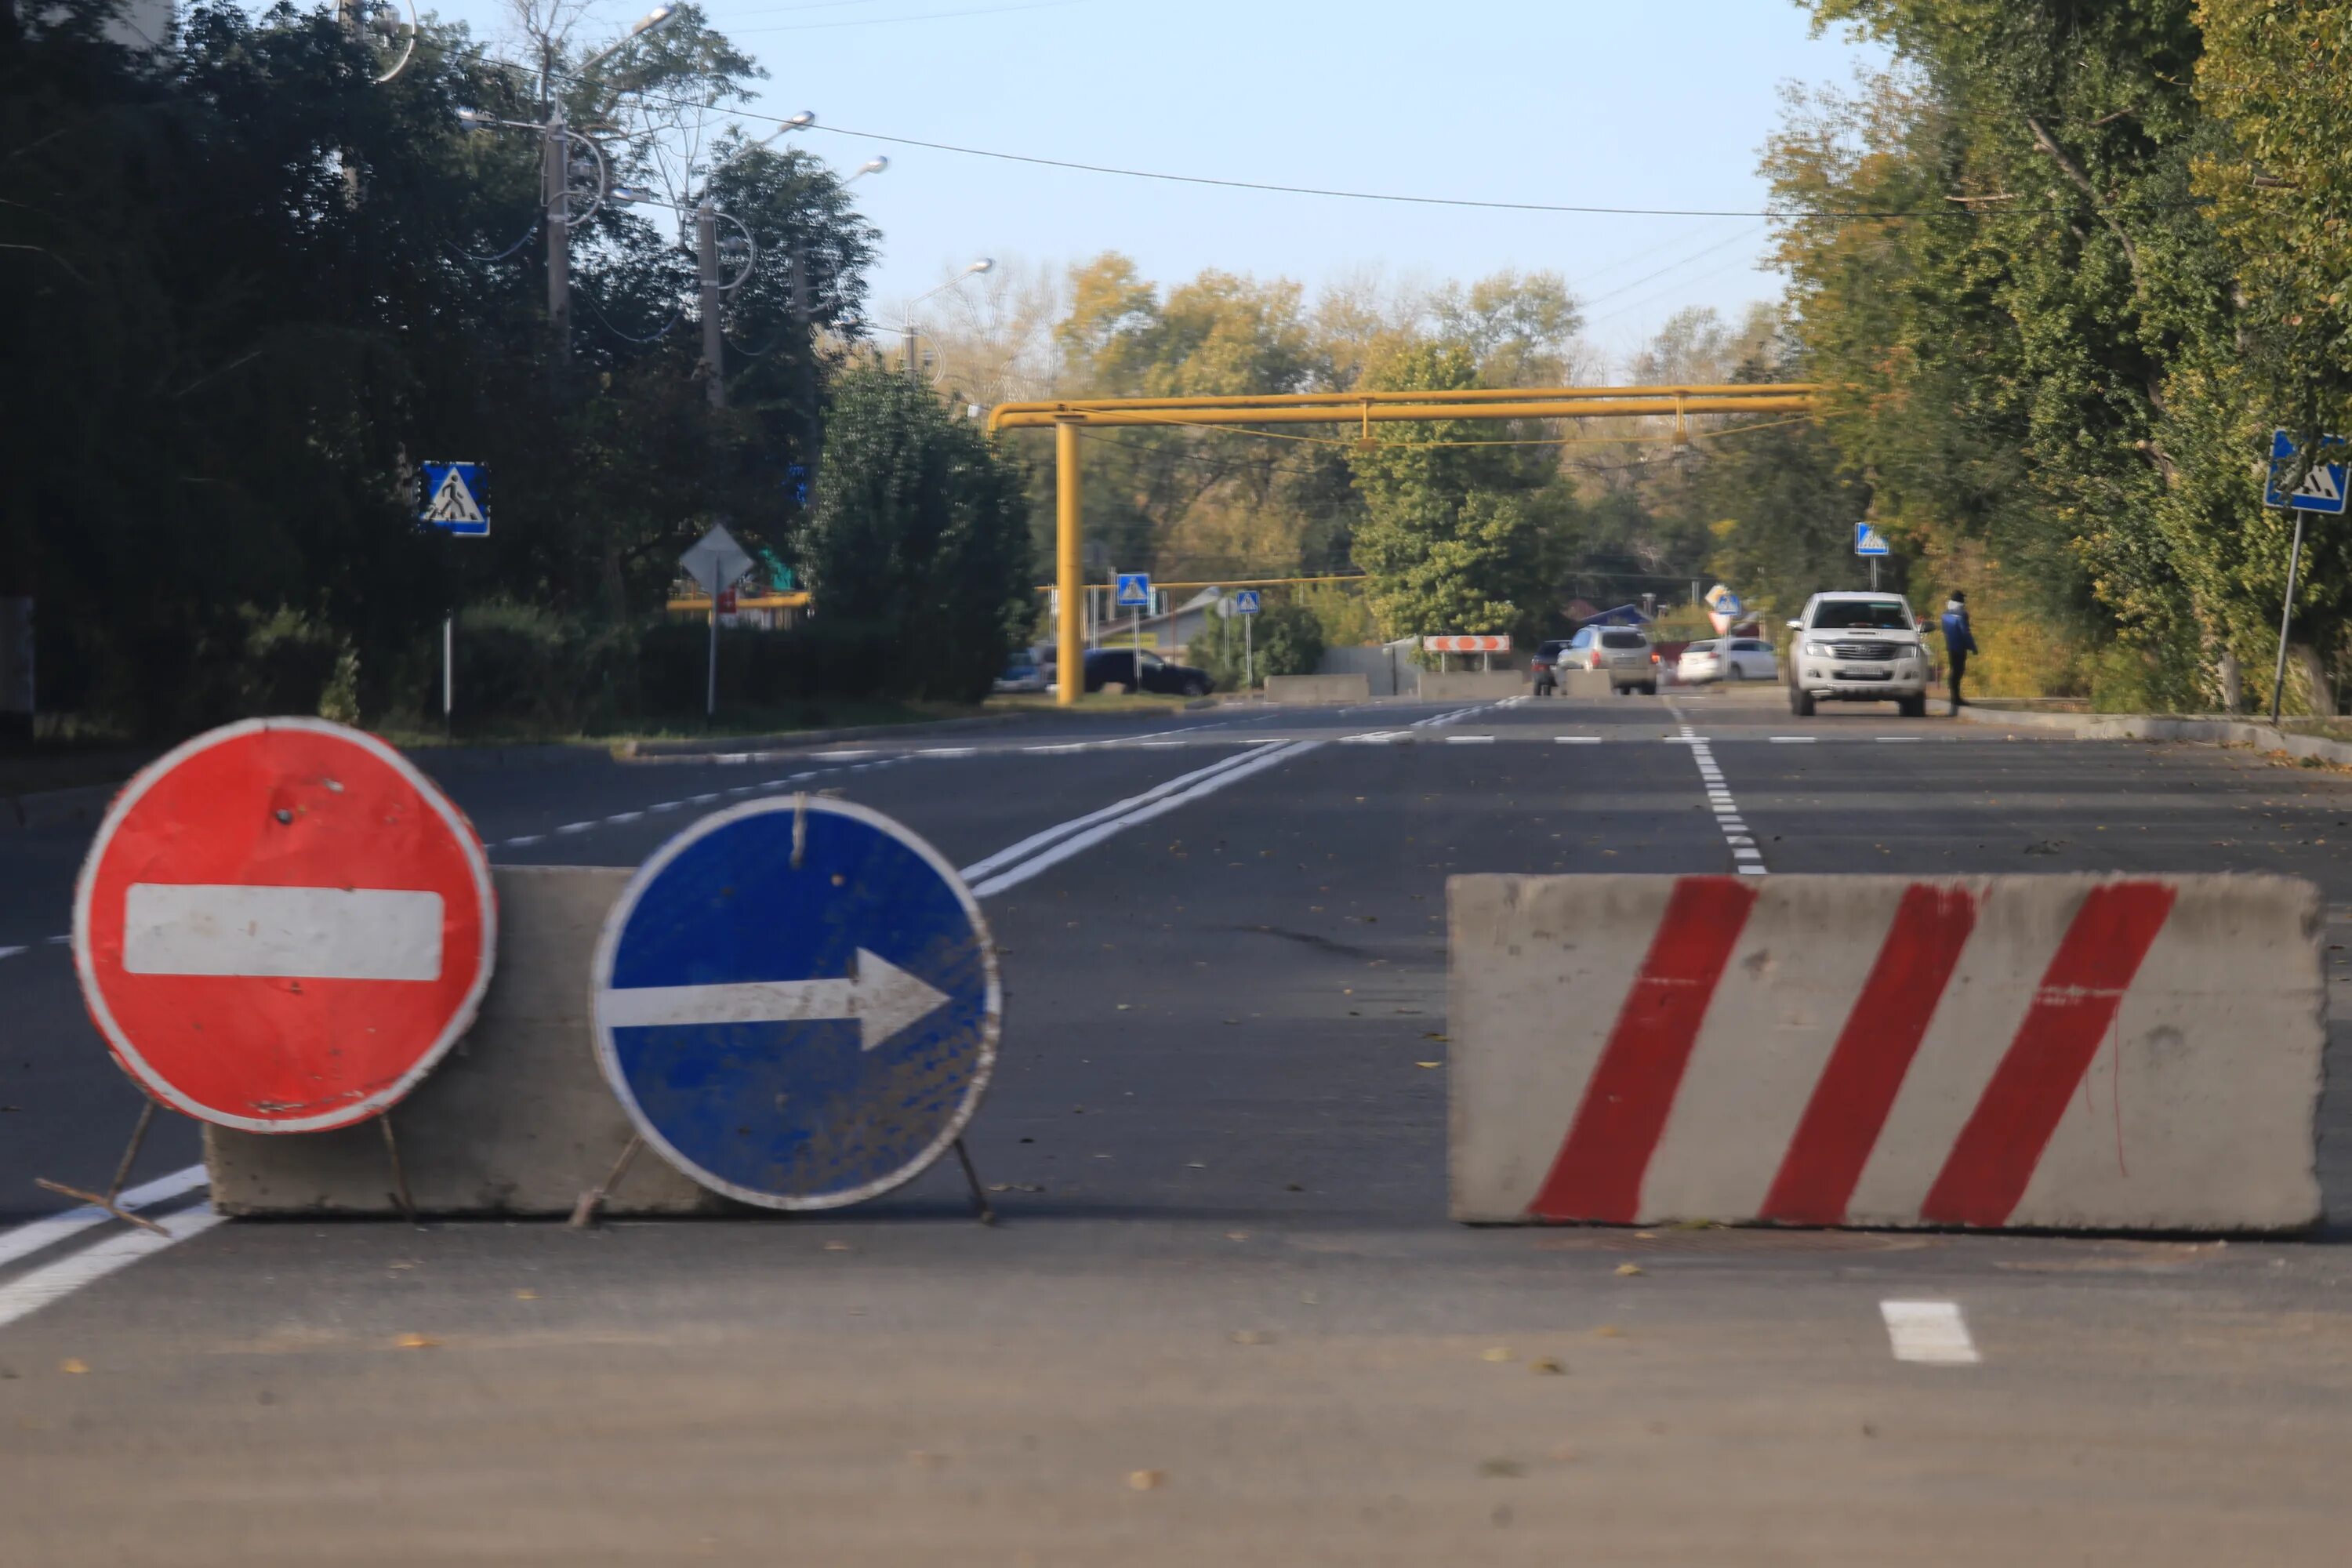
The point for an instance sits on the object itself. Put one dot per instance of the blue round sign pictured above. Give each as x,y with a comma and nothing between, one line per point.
796,1001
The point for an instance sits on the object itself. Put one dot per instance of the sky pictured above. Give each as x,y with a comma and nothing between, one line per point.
1559,102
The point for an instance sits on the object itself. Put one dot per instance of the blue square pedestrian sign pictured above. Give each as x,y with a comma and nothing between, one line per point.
2322,489
1134,591
1245,602
1868,540
454,498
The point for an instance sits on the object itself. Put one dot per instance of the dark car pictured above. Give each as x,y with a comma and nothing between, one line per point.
1119,666
1543,663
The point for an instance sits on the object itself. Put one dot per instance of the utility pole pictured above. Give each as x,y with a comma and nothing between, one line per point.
714,343
555,176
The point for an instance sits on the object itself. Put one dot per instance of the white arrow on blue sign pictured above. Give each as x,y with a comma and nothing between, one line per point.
1868,540
1245,602
797,1003
1134,591
2323,489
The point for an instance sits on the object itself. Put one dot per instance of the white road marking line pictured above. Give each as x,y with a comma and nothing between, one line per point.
56,941
841,756
1794,740
1158,745
1576,740
1374,738
520,840
1248,763
31,1291
1753,872
691,800
1898,740
231,929
51,1229
13,952
1067,746
738,789
950,751
1930,1331
1036,841
665,806
1469,740
626,816
585,826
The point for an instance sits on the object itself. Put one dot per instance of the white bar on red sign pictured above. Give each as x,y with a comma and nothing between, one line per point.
292,934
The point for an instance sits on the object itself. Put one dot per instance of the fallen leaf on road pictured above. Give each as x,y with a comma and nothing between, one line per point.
526,1295
1147,1481
1627,1270
73,1364
414,1343
1645,1235
838,1247
1429,1064
1441,1039
1236,1236
1608,1332
1501,1468
1125,1007
1496,1353
1547,1366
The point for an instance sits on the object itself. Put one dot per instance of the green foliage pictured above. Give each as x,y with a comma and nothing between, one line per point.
254,288
1288,639
920,529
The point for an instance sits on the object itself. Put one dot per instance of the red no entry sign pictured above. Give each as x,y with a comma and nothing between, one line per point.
282,925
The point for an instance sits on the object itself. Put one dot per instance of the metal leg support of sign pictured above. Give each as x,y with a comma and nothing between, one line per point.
400,1197
2286,614
981,1210
583,1213
122,1174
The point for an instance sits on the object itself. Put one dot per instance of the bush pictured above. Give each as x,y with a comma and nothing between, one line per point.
1286,640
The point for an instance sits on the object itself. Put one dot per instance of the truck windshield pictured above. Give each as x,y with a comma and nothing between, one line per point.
1861,614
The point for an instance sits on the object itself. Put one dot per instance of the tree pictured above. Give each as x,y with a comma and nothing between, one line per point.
920,530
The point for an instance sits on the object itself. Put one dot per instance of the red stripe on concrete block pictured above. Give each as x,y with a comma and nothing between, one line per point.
1857,1087
1598,1173
1997,1150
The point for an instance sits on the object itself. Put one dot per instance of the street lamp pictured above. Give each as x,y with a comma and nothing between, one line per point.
871,166
973,270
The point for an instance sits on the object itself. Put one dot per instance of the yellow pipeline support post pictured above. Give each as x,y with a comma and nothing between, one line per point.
1070,657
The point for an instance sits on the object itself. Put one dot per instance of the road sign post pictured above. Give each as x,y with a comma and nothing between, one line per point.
1134,596
282,925
796,1002
714,561
1869,541
1246,605
2301,486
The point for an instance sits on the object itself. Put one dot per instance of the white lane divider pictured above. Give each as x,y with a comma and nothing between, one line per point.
1576,740
1036,841
31,1291
1746,857
49,1229
1250,763
1929,1332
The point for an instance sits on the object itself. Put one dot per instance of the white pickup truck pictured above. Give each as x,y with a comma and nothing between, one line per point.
1857,648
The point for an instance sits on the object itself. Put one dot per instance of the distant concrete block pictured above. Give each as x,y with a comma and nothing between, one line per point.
516,1119
1585,683
2064,1052
1471,686
1318,688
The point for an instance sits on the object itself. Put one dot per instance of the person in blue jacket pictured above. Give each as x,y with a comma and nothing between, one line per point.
1958,641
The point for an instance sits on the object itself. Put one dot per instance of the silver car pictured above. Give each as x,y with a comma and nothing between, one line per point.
1622,651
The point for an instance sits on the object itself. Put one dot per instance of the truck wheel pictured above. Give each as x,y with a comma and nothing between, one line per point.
1914,707
1649,689
1801,702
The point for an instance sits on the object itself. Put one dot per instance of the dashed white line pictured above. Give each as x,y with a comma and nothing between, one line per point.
13,952
1898,739
29,1292
49,1229
575,827
520,839
1469,740
1576,740
1794,740
1745,858
1929,1332
627,817
56,941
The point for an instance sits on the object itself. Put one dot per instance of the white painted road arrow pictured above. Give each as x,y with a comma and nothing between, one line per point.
882,997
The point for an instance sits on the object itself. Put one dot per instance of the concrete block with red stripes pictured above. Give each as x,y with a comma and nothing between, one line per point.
2067,1052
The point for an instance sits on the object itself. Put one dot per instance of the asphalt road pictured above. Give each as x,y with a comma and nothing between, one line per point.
1226,1316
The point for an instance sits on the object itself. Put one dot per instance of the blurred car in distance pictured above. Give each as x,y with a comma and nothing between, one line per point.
1728,658
1623,652
1024,671
1137,670
1543,663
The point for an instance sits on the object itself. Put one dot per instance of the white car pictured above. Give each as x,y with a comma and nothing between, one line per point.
1727,659
1858,648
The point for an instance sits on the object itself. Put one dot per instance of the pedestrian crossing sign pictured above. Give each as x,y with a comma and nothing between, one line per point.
454,498
2322,489
1868,540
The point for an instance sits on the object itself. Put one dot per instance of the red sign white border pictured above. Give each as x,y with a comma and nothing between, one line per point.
477,864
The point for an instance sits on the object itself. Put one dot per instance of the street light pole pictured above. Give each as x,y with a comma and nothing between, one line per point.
973,270
706,254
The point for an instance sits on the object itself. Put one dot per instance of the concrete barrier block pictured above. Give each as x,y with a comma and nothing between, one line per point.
1471,686
1318,688
1585,683
516,1119
2064,1052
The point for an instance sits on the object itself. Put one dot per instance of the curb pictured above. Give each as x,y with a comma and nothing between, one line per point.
2148,727
55,807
